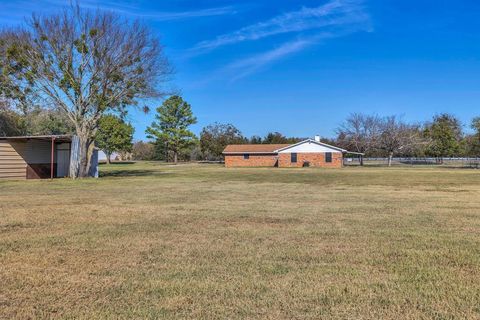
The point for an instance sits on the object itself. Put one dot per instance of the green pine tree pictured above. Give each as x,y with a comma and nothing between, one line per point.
173,118
445,134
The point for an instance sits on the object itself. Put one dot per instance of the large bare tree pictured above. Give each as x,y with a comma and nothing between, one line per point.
360,133
87,63
398,137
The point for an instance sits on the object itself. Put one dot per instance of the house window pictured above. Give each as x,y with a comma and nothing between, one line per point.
293,158
246,156
328,157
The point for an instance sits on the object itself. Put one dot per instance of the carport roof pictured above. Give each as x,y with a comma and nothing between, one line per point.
59,138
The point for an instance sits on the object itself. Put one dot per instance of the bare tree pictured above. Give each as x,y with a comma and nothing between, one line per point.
143,151
398,137
86,63
360,133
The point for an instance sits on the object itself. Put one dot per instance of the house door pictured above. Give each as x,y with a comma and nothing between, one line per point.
63,159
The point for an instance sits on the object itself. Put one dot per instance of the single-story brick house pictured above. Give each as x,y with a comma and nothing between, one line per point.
307,153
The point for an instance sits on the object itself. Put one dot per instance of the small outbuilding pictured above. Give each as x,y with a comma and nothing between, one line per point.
307,153
39,157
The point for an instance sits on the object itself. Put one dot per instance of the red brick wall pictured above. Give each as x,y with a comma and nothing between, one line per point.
256,160
315,159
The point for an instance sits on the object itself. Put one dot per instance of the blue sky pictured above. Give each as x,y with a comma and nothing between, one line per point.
300,66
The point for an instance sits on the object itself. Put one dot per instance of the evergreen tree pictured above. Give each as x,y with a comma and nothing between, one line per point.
170,128
444,135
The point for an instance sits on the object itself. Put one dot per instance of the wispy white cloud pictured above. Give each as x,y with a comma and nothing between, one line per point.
336,13
165,16
174,15
334,19
125,8
244,67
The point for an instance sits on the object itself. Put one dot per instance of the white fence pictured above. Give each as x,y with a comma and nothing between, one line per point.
453,162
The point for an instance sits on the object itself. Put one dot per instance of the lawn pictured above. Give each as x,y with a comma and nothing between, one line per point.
148,240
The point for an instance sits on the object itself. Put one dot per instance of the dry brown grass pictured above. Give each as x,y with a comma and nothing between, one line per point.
155,241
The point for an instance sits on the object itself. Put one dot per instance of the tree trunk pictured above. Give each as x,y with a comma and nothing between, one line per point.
166,152
390,157
84,155
108,158
175,157
361,160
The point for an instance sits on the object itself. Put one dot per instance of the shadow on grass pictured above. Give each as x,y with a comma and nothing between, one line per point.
464,167
114,163
128,173
125,169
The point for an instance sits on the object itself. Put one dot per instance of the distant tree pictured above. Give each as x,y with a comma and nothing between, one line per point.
360,133
33,121
397,137
255,140
114,135
143,150
471,146
160,150
170,129
11,123
40,121
190,151
274,138
444,135
215,137
195,152
476,125
186,152
87,63
330,141
278,138
473,141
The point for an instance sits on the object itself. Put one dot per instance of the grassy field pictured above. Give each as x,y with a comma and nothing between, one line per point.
204,242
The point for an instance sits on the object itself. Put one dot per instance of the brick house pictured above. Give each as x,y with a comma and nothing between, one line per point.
307,153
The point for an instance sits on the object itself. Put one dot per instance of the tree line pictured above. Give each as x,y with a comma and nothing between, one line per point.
390,136
371,135
170,138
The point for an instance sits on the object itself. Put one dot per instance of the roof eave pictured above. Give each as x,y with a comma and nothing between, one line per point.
40,137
